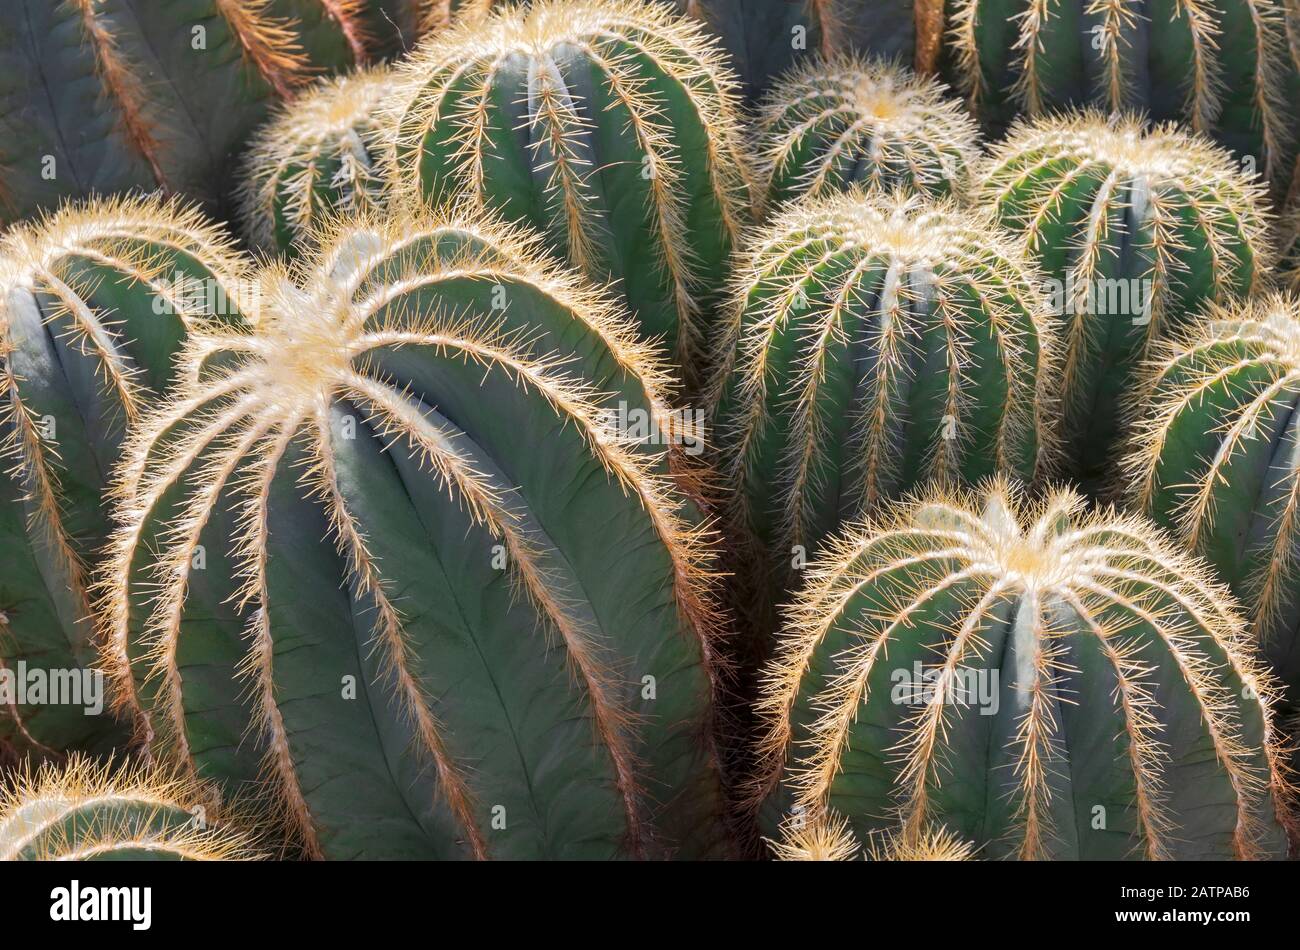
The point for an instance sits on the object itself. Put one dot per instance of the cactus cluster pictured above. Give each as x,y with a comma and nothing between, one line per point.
1071,687
1137,228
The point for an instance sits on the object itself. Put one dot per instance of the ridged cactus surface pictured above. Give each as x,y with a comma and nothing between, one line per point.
874,343
609,127
320,156
449,605
846,121
95,302
1225,68
1137,229
83,811
1218,461
108,95
1042,683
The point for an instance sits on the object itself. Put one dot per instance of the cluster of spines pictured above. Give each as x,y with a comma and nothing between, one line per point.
1112,571
844,120
829,837
84,811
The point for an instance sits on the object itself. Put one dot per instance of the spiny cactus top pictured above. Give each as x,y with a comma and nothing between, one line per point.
843,121
318,157
829,837
1222,67
609,127
1043,683
1217,459
874,343
1137,229
411,551
95,301
107,95
83,811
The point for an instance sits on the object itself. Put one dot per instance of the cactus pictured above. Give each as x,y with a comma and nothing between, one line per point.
1217,460
110,95
1137,229
608,126
493,640
1289,256
94,303
844,121
767,37
874,343
1225,68
395,26
83,811
318,157
829,837
1042,682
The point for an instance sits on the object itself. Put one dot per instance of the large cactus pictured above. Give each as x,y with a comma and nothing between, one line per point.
1218,460
609,127
83,811
320,156
1137,229
107,95
837,122
874,343
449,604
95,302
1225,68
1043,683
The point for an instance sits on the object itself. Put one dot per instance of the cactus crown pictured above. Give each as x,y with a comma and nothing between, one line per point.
318,154
83,811
848,120
905,275
376,289
1086,612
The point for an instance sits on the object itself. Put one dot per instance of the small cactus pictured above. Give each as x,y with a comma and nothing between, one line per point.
451,603
610,127
83,811
1217,460
835,123
874,343
1137,229
105,96
1224,69
95,303
318,157
1043,683
828,837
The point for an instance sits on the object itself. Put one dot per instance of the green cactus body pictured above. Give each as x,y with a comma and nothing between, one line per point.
837,123
608,127
109,95
83,811
1224,68
453,606
1137,230
95,302
767,37
1042,684
1218,461
875,343
319,157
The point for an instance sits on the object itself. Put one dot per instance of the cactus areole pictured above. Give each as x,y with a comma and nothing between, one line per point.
1042,683
609,127
447,609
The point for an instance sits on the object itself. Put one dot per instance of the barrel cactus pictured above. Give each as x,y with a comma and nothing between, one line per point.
1039,681
109,95
319,156
406,555
1217,460
829,837
843,121
1137,229
95,301
84,811
1223,68
874,343
608,126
